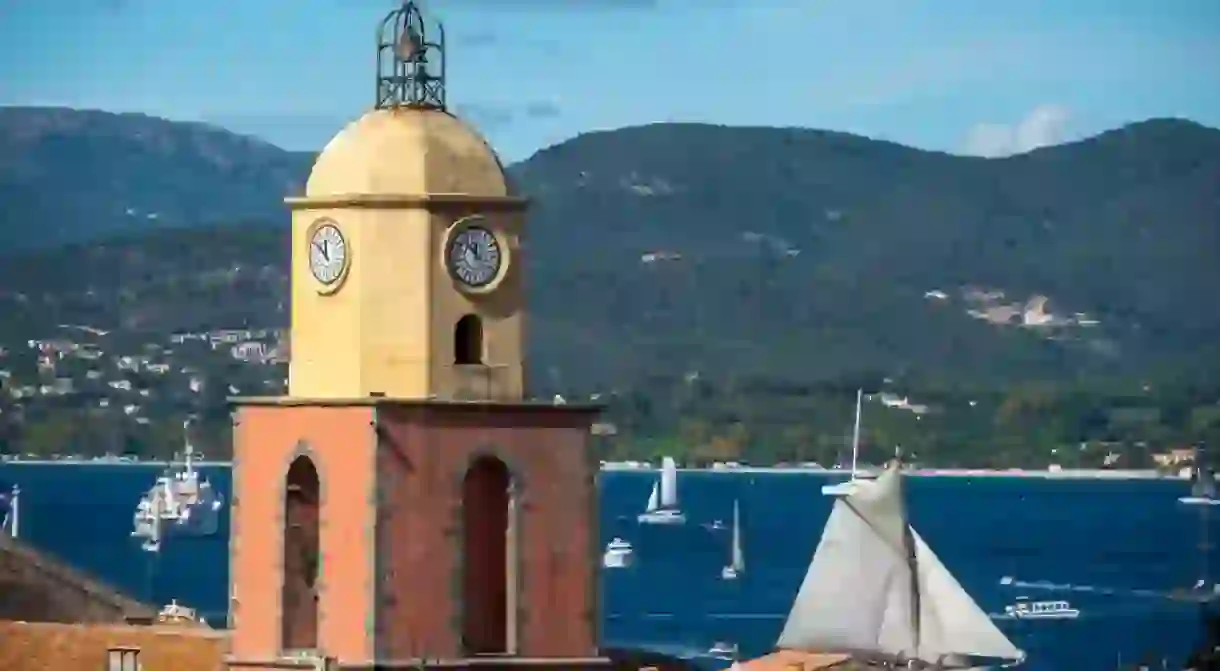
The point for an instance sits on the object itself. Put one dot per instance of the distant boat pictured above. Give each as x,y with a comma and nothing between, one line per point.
876,592
618,554
737,559
1203,482
662,507
1024,609
723,649
846,488
10,511
181,502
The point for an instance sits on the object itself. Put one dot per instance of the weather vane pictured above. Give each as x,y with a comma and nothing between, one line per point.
410,66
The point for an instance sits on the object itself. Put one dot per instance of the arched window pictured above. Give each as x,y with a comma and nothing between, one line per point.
468,341
302,549
489,559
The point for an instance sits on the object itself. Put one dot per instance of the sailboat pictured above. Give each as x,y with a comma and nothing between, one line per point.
876,594
737,560
846,488
662,505
1203,482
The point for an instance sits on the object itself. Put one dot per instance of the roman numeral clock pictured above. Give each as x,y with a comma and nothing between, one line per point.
328,253
474,256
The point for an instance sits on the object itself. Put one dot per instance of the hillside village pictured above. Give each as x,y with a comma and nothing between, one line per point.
111,377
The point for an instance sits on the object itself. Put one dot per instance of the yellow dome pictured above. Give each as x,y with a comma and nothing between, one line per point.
407,152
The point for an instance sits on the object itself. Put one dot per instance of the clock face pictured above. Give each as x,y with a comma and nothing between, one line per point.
474,256
327,254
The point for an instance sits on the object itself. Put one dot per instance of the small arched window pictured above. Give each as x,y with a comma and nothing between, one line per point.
468,341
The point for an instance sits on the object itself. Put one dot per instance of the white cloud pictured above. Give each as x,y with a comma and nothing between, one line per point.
1044,126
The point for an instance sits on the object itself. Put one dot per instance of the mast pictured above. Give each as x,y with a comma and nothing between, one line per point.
855,434
737,561
188,450
14,513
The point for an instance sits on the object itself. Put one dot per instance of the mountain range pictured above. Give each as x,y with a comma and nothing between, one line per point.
678,249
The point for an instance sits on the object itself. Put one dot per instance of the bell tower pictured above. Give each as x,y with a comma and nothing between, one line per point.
404,505
406,247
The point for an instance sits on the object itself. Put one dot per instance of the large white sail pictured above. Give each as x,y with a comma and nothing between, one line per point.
853,598
669,483
654,500
875,588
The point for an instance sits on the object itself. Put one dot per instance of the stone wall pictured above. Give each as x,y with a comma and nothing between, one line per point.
27,646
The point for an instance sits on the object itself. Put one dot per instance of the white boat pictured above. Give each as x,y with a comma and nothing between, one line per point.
876,592
618,554
1203,482
174,613
181,502
662,507
1024,609
10,506
737,559
850,486
723,649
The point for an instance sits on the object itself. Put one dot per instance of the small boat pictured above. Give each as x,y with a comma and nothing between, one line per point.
847,488
1024,609
723,649
176,614
1203,482
662,507
737,559
618,554
876,594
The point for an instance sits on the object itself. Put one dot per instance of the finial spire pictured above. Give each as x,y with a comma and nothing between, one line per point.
410,64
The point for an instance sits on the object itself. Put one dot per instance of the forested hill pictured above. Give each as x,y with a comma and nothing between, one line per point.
754,257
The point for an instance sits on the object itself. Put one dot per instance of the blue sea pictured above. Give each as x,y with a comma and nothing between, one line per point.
1111,548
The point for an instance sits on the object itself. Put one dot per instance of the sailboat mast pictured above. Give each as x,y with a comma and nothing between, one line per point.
188,449
14,513
855,434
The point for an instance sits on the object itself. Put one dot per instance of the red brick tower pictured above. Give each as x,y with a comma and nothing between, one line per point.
404,504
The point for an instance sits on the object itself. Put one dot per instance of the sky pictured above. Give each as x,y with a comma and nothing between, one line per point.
964,76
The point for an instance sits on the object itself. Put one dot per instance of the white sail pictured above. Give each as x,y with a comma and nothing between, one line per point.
738,561
654,499
669,483
950,622
874,587
852,598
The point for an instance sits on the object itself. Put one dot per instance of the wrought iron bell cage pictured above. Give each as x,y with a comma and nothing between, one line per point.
410,64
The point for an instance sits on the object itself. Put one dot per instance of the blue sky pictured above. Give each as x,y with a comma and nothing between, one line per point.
954,75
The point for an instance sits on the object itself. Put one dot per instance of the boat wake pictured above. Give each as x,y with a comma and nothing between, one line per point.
1046,585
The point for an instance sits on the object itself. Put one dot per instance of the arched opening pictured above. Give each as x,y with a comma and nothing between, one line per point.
302,545
468,341
489,559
